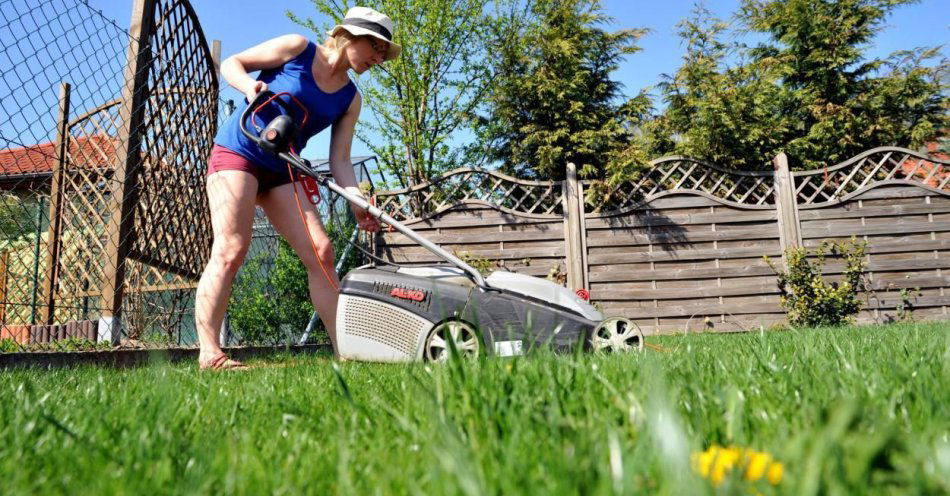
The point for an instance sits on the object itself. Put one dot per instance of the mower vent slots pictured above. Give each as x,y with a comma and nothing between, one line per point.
386,289
384,323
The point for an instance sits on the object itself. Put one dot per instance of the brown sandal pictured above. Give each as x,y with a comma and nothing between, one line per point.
222,362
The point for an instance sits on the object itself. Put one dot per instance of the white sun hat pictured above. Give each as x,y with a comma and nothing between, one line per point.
364,21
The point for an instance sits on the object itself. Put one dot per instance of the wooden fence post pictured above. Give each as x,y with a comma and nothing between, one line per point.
582,235
573,229
56,208
128,161
786,206
216,55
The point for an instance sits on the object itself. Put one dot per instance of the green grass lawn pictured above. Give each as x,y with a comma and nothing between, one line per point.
846,411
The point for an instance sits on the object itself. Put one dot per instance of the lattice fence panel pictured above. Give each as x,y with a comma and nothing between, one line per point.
157,306
686,174
867,169
466,185
172,228
84,213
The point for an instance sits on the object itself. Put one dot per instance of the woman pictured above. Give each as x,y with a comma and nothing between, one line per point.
241,176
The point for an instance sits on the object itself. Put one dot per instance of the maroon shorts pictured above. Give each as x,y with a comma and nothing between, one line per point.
224,159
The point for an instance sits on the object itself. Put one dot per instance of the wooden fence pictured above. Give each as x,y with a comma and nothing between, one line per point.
682,247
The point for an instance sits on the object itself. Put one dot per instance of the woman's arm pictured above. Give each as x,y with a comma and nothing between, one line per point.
341,142
267,55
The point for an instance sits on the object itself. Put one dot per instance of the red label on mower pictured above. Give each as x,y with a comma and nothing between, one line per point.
408,294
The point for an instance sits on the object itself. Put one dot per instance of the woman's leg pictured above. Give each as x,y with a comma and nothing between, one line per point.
281,208
231,195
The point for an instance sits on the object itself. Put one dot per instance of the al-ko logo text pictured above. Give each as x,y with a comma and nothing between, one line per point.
408,294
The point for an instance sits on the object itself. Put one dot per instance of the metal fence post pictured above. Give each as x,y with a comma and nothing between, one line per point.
4,270
37,241
56,208
786,206
224,334
128,161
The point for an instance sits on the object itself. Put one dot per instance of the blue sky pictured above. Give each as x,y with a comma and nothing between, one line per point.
245,22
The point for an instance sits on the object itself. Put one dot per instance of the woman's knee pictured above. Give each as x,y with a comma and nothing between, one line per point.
324,254
229,252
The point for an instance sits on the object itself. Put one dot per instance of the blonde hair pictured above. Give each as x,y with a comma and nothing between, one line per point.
339,41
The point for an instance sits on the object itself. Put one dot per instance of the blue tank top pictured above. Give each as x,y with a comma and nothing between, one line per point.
296,78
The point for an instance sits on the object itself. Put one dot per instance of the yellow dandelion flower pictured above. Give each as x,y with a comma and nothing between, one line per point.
720,467
717,462
755,466
730,456
775,473
702,462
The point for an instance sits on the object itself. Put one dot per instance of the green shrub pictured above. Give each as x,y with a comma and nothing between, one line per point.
8,345
905,307
251,311
811,301
270,301
483,265
73,344
270,297
289,278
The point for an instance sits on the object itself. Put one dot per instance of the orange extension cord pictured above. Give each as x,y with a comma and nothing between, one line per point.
313,245
654,347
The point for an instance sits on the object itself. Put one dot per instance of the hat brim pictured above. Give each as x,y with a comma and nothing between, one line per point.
393,51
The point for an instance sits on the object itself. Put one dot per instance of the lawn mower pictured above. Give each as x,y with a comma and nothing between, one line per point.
394,313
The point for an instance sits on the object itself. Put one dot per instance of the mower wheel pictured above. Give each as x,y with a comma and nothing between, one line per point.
617,334
463,335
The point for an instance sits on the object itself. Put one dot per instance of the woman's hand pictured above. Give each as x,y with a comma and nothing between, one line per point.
364,220
255,89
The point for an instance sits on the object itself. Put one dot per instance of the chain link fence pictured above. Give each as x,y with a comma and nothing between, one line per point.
58,57
270,303
104,221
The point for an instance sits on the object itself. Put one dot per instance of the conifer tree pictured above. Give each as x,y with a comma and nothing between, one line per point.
553,100
808,90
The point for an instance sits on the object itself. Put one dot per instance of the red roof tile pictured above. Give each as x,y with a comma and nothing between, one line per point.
87,152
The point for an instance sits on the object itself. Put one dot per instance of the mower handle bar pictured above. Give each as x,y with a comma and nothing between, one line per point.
302,166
